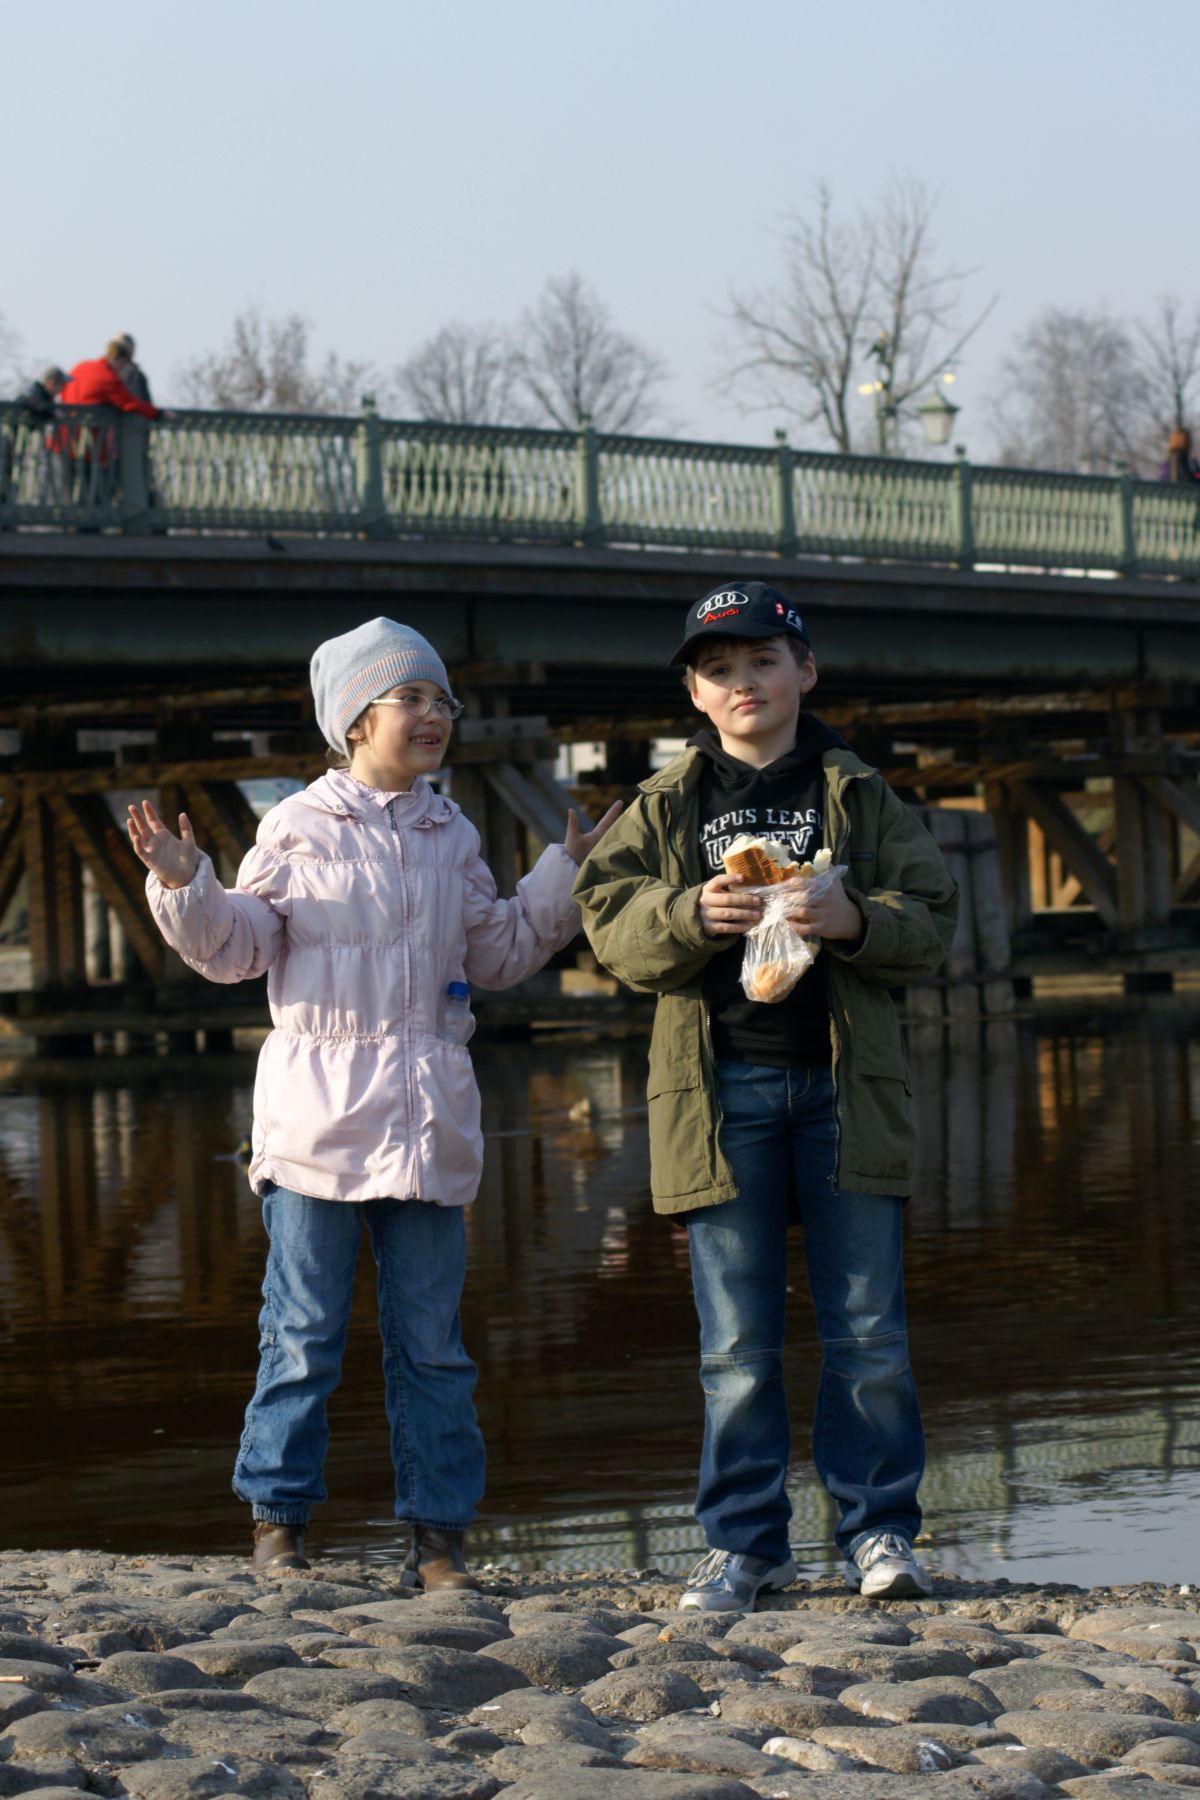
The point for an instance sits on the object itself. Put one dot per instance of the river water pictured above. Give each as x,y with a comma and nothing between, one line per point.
1054,1289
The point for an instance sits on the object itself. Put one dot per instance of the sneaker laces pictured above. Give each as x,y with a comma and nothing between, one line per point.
876,1548
709,1568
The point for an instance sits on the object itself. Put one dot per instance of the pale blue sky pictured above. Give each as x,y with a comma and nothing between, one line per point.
384,167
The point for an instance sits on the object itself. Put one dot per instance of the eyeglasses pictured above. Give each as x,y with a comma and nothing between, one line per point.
419,706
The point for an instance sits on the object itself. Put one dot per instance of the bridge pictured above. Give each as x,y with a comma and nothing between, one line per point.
95,470
1018,650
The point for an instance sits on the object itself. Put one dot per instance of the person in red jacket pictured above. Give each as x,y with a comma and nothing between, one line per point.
92,447
97,382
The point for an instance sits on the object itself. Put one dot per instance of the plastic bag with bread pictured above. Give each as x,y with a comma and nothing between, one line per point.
775,955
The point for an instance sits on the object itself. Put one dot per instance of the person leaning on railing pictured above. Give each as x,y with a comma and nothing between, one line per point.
131,371
35,407
96,382
38,398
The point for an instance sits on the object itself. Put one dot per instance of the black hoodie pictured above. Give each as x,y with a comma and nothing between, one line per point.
786,801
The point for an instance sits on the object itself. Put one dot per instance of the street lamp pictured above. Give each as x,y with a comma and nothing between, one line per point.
937,416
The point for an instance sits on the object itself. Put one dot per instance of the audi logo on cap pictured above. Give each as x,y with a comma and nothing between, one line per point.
720,602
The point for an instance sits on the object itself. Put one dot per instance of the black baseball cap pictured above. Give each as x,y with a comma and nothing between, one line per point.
740,609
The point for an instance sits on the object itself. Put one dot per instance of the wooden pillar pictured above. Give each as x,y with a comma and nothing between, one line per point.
924,1001
1012,849
467,786
948,827
53,897
97,945
993,946
1012,854
1131,872
468,790
1143,857
1156,833
124,962
503,834
1143,860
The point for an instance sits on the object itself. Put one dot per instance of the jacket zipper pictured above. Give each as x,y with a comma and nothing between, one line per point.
409,1082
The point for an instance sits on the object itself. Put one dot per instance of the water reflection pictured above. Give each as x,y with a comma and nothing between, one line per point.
1052,1274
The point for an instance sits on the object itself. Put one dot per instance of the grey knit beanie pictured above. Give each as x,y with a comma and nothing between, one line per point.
350,671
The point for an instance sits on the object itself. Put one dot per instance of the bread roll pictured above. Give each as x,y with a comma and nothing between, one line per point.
772,981
761,862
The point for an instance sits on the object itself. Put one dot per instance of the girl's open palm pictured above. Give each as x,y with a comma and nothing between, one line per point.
579,843
173,859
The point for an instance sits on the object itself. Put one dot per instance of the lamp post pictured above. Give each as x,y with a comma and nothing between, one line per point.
885,406
937,414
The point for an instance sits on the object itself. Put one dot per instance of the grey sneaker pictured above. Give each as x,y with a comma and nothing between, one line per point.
884,1568
724,1581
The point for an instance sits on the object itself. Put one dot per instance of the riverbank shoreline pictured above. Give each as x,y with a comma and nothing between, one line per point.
181,1678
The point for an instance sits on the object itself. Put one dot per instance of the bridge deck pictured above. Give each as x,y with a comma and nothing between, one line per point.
103,610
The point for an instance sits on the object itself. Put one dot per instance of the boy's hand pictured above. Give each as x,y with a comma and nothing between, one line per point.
579,843
832,915
725,911
173,859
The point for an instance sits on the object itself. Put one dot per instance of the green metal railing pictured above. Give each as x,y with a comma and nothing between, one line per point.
258,472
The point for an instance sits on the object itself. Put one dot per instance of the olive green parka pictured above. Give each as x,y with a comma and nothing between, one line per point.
640,895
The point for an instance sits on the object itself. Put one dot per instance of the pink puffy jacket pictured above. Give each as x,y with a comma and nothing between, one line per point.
362,906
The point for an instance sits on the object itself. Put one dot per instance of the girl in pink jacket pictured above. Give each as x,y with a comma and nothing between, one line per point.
363,900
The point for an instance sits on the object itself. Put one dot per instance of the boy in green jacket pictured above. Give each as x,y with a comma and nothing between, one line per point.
762,1112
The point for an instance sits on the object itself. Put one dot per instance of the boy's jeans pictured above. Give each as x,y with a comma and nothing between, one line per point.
779,1135
437,1449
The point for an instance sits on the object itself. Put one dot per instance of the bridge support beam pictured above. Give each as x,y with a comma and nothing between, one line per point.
1075,850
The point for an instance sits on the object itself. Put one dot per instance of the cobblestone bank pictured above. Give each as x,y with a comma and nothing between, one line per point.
182,1679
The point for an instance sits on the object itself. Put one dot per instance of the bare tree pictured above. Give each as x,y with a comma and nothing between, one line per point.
916,304
803,342
1167,354
1070,394
863,304
461,376
570,362
264,367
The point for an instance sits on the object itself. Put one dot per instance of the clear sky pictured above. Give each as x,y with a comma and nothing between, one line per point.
383,167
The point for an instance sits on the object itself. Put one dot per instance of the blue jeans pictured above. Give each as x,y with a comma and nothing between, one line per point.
779,1134
420,1254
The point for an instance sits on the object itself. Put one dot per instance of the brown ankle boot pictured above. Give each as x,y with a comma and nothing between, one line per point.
278,1547
436,1562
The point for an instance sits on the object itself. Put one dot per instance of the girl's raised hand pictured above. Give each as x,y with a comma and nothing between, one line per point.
579,843
173,859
